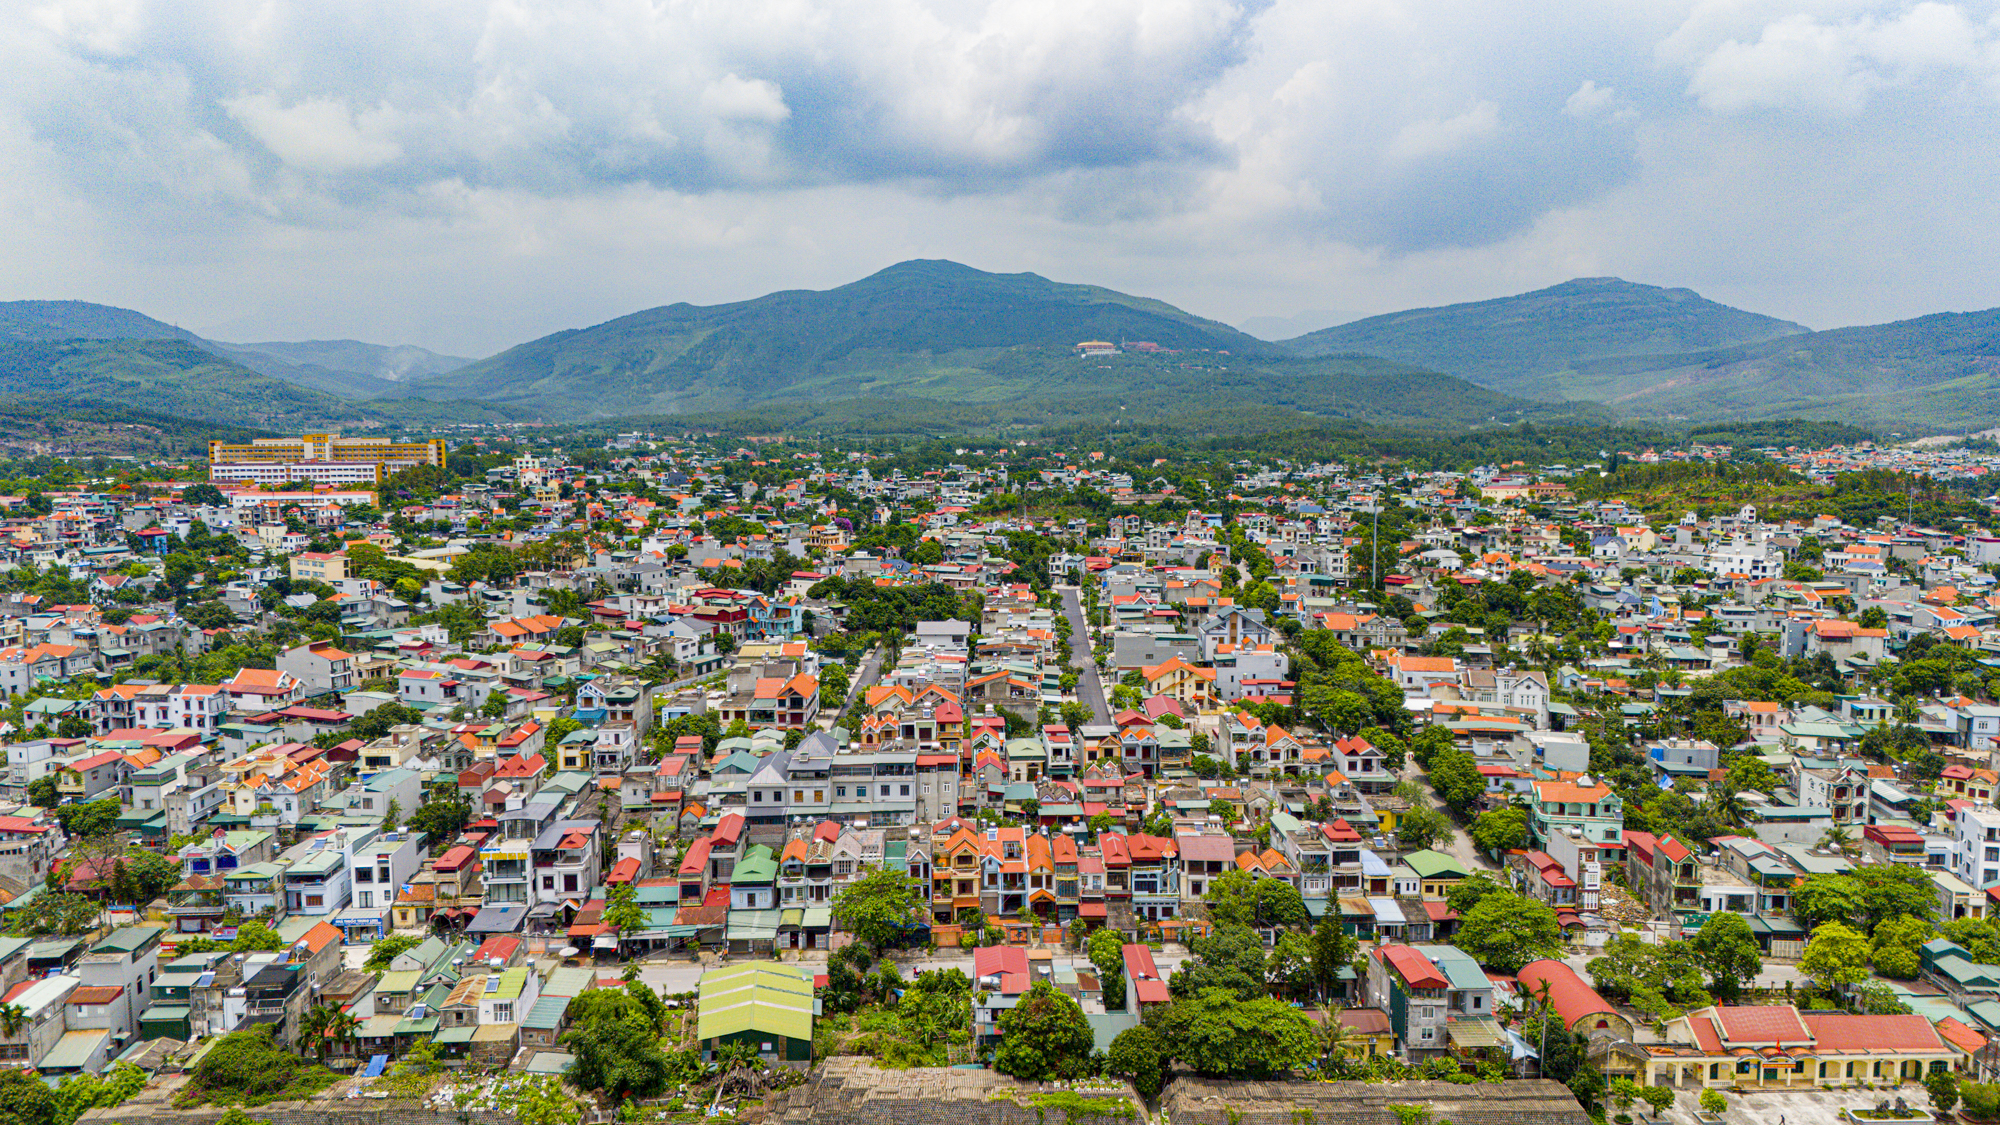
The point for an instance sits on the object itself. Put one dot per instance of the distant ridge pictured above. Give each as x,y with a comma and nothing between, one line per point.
1522,344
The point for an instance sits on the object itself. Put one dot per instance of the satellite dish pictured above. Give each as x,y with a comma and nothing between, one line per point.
569,951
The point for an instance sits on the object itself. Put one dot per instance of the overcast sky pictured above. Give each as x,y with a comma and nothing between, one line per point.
466,175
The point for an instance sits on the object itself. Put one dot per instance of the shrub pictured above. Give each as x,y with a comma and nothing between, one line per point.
1980,1100
1712,1101
247,1068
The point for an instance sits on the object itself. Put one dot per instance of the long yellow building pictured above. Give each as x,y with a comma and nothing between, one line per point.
320,458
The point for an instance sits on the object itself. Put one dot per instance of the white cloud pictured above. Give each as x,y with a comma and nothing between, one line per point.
1592,102
318,134
1801,62
738,99
562,160
1439,136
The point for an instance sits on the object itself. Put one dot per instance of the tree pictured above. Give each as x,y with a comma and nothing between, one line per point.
1470,892
1981,1100
622,910
25,1100
1659,1098
441,820
256,937
393,815
324,1025
877,907
1506,931
1107,953
1730,953
1837,955
42,792
1231,958
1043,1037
83,1092
1865,897
1499,830
204,494
1942,1086
387,950
1336,1039
1219,1034
1422,827
1333,950
1712,1101
618,1055
1138,1056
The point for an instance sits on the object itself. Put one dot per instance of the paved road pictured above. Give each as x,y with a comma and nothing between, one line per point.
685,976
864,677
1089,690
1461,847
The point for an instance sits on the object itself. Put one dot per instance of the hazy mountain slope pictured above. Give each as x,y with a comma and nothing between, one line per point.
173,377
395,362
923,326
1942,369
349,368
80,320
1523,344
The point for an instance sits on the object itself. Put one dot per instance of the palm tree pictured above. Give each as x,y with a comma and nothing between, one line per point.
316,1025
1336,1039
12,1018
1840,837
1727,806
1544,991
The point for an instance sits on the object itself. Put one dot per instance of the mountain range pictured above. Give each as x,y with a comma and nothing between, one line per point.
1000,349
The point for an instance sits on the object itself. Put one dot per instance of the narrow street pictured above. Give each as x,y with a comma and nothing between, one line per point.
1089,690
864,677
1461,847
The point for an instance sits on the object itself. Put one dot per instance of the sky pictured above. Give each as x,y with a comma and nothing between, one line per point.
466,175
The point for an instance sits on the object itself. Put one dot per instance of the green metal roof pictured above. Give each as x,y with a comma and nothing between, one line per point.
1430,864
770,999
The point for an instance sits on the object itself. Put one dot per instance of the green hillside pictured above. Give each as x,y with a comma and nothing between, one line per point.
1938,370
923,328
1524,345
80,320
171,377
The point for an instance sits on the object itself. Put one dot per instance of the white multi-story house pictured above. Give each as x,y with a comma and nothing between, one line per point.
1976,845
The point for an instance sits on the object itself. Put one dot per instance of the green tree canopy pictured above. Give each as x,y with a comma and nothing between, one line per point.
878,907
1043,1037
1506,931
1218,1034
1729,952
1139,1057
1836,955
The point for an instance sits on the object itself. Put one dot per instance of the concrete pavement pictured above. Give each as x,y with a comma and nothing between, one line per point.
1089,689
1460,847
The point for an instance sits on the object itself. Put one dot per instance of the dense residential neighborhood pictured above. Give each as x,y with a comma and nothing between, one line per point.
391,764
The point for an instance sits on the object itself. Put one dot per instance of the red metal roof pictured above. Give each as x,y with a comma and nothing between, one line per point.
1416,969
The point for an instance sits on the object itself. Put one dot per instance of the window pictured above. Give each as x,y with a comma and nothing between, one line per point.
1429,1034
757,795
367,899
503,1013
906,791
315,900
548,882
